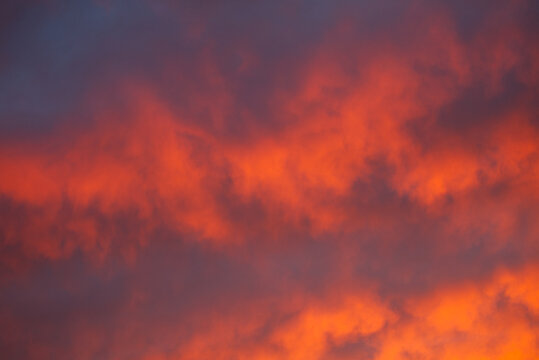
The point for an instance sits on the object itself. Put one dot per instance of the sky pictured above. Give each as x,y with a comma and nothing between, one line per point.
300,179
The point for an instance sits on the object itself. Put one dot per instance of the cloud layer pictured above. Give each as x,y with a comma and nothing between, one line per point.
269,180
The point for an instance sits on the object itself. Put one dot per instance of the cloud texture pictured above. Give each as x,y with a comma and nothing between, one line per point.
269,180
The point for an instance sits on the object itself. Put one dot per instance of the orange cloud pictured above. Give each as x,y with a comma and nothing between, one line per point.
474,321
366,189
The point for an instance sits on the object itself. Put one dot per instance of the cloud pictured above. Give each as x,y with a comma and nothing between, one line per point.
269,180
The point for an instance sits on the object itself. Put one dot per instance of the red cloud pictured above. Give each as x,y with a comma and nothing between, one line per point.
369,194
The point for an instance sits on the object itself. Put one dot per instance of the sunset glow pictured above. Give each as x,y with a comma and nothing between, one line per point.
192,180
